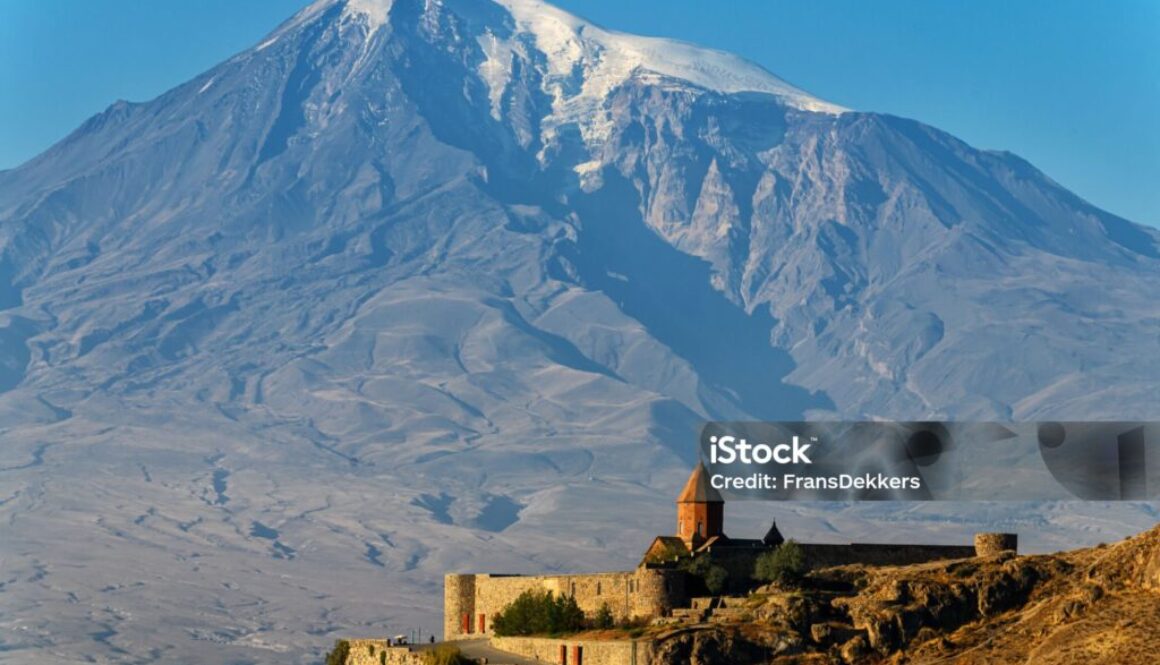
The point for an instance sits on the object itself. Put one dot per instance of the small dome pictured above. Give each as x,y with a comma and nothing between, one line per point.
773,537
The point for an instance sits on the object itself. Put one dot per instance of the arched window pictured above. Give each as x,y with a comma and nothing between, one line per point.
701,529
598,588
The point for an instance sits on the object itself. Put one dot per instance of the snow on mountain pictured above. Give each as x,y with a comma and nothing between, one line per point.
422,286
580,64
601,60
376,12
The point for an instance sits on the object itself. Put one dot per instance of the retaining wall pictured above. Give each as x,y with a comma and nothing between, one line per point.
591,652
376,652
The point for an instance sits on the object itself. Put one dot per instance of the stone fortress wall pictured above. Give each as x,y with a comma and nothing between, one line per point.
740,562
471,600
873,554
657,586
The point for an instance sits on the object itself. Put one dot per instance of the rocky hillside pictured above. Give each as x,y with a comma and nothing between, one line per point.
1096,605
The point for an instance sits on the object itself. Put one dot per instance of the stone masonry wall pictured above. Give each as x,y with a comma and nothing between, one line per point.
458,601
592,652
658,591
990,544
882,555
646,592
740,562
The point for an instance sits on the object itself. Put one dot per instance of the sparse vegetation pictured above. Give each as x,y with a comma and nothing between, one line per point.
539,613
784,565
445,654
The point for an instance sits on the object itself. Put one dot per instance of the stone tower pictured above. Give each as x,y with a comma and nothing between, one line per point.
700,510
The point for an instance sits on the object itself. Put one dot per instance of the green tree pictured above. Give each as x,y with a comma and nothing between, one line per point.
539,613
784,565
339,653
714,577
566,616
603,619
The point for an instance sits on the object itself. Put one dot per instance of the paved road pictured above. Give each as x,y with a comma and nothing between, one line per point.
483,649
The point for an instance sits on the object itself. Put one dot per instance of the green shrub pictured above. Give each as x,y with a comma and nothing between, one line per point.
603,619
784,565
696,566
339,653
716,579
539,613
713,577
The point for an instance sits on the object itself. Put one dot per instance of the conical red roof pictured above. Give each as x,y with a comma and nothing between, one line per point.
698,489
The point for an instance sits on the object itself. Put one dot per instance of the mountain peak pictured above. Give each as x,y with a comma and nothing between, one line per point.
571,45
323,271
611,57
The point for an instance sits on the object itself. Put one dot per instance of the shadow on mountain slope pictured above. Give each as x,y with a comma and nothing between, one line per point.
671,294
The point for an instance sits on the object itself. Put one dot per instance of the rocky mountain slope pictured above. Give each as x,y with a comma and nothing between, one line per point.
1095,605
420,286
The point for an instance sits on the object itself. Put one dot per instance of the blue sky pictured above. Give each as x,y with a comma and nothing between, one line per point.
1073,86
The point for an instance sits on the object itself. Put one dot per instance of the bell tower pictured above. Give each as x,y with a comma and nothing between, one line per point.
700,510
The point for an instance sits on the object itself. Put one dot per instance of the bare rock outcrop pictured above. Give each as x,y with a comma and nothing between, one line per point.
720,646
1096,605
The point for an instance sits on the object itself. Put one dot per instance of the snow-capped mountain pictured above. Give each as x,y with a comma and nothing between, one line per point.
416,286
